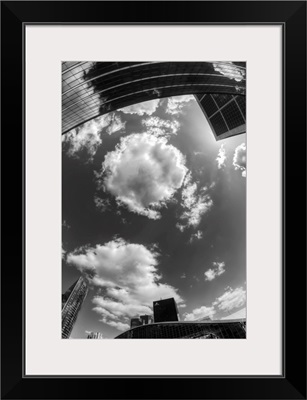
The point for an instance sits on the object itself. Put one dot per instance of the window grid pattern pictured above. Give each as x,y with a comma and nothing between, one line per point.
72,306
90,89
188,330
225,112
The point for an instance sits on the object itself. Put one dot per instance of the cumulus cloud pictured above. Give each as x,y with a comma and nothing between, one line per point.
195,204
86,138
161,127
232,298
128,276
221,157
230,70
217,270
143,173
200,313
147,107
239,159
116,124
196,236
183,276
176,104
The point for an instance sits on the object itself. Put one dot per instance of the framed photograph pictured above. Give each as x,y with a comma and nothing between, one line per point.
163,149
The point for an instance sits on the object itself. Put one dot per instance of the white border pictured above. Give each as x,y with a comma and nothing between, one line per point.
46,47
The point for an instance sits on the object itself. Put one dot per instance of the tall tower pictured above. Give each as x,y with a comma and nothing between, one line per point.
72,301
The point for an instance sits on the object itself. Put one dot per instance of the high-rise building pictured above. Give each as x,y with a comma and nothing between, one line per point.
91,89
72,301
141,320
95,335
165,310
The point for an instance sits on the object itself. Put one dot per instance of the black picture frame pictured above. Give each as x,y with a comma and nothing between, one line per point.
292,16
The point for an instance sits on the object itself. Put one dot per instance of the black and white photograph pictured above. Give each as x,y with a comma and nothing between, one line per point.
154,200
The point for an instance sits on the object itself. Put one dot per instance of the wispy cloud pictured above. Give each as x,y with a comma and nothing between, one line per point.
147,107
176,104
116,124
230,70
221,157
101,204
143,173
230,299
194,204
217,270
200,313
161,127
196,236
239,159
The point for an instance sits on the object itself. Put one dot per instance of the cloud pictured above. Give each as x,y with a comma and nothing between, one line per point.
161,127
176,104
65,224
147,107
116,124
221,157
196,236
239,159
101,204
143,173
63,253
183,276
200,313
116,324
231,299
219,269
230,70
195,205
85,139
128,276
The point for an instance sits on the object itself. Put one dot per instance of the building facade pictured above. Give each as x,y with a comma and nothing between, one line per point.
73,300
141,320
223,329
165,310
91,89
95,335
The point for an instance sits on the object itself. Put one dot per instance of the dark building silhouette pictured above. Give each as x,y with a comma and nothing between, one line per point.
165,310
222,329
72,301
91,89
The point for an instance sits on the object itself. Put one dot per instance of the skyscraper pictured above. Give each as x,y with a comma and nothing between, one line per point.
91,89
165,310
72,301
95,335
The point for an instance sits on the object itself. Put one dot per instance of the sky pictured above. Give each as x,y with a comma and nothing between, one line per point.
153,207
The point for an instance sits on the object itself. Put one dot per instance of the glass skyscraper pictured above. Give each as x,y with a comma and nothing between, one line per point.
72,301
91,89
